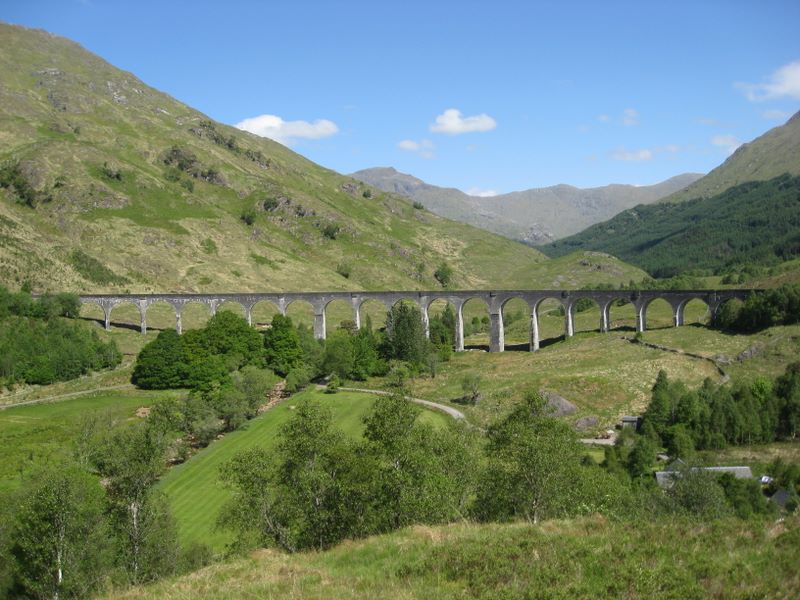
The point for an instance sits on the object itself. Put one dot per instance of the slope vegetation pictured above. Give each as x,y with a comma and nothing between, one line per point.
107,184
584,558
535,216
756,223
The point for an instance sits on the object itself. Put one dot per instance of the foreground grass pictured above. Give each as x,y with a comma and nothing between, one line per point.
193,488
33,435
582,558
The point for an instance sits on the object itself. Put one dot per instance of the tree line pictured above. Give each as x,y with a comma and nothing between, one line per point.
38,345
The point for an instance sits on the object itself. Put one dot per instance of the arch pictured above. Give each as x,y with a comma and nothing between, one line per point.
161,314
301,311
91,310
550,318
339,312
233,306
694,311
262,312
620,314
657,313
373,311
477,323
126,314
441,328
724,313
517,314
194,314
587,315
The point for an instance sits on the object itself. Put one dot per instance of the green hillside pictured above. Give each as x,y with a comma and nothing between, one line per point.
107,184
772,154
583,558
755,223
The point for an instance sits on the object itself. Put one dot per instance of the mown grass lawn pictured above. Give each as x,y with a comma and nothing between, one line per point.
193,488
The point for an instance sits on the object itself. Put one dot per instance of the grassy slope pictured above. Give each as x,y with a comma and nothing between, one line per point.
36,434
752,223
193,488
64,113
583,558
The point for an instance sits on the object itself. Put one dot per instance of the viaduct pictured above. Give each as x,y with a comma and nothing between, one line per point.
494,300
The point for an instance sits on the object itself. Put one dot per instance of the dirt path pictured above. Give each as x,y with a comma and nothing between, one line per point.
443,408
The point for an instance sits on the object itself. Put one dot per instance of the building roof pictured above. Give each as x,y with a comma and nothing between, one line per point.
666,479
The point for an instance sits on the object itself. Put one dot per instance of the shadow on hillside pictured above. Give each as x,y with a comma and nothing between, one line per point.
120,325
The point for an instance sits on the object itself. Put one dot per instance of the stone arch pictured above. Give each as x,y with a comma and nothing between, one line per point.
93,310
587,314
194,314
161,314
656,313
339,311
620,313
693,311
731,304
550,319
302,312
477,322
373,311
516,312
435,308
127,314
262,311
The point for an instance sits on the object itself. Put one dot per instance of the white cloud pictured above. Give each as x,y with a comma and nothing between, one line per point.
287,132
729,142
783,83
632,155
423,148
630,117
481,193
709,122
452,122
776,115
603,118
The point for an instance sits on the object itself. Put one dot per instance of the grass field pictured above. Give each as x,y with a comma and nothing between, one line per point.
33,435
587,558
193,488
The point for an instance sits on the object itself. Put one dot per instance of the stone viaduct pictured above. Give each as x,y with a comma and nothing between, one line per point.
494,300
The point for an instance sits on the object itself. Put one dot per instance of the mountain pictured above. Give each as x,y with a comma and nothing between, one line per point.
772,154
107,184
755,220
535,216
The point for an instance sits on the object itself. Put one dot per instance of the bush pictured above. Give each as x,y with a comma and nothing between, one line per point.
443,274
344,269
331,230
248,216
418,205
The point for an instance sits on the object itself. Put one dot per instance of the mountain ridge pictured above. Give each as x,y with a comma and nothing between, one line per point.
536,215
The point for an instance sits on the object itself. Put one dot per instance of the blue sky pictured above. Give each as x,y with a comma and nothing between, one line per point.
498,96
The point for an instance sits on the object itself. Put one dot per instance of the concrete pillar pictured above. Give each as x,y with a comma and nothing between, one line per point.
319,324
605,318
143,324
569,321
178,324
426,322
212,305
107,313
534,329
248,313
677,314
459,328
497,339
357,313
641,317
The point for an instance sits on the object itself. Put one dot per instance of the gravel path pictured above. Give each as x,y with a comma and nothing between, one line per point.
124,386
443,408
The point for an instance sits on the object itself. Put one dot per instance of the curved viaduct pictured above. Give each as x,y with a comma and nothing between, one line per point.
495,300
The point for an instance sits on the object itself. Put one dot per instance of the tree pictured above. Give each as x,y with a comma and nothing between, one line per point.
60,536
161,364
283,351
255,384
339,357
533,466
131,459
227,334
443,274
405,334
470,385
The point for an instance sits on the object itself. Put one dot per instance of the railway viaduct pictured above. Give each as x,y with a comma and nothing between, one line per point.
423,299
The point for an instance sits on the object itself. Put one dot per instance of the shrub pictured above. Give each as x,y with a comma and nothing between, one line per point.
418,205
344,269
443,274
331,230
248,216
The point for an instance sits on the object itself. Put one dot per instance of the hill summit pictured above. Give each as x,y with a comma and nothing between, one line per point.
108,184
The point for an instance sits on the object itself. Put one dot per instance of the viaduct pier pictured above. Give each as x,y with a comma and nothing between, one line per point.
494,300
